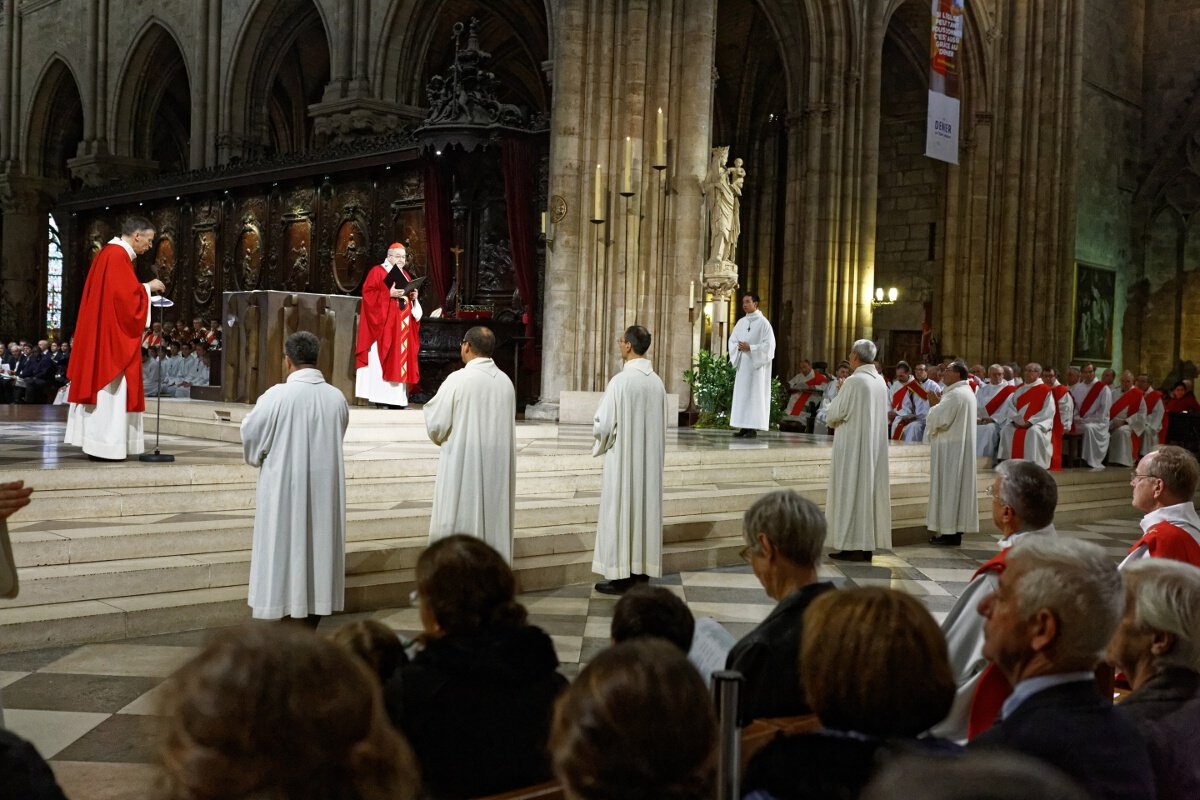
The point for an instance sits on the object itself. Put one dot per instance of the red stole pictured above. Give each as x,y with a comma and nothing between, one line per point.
993,405
898,400
1153,398
108,331
1032,401
801,399
1056,437
1092,394
1130,402
993,688
973,382
1166,540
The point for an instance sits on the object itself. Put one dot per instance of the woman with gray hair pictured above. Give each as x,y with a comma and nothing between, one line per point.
1157,644
784,534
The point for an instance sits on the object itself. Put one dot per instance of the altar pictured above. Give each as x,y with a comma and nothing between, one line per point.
257,323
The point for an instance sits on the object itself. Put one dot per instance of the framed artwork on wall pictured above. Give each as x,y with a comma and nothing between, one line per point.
1095,301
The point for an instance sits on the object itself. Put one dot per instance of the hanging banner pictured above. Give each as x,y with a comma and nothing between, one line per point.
941,135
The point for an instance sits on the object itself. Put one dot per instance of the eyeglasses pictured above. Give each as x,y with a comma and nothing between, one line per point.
990,491
414,599
1134,477
747,552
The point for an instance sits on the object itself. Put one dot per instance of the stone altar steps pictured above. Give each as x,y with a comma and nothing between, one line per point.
144,555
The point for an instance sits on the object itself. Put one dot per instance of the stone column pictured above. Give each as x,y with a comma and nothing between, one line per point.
615,64
8,80
213,82
199,132
25,203
1009,272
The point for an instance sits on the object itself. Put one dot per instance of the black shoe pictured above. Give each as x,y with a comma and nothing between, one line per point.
616,586
946,540
99,458
738,434
751,433
851,555
639,578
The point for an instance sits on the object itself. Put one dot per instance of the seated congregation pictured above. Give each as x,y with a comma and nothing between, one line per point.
1022,412
1013,692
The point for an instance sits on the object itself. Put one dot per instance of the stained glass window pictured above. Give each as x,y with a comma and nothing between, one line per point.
54,263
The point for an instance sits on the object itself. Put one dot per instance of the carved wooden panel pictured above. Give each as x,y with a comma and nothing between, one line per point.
206,265
249,256
408,228
297,251
350,255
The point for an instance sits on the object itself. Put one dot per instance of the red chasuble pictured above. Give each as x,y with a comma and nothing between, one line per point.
800,399
108,332
382,321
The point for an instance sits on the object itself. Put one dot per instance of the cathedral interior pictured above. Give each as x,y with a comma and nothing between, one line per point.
282,144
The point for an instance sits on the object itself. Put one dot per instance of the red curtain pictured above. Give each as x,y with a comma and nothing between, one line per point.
439,227
519,167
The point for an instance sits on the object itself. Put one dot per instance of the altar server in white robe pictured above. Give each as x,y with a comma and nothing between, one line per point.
1093,399
151,372
1125,423
858,502
1029,421
473,419
751,350
294,436
1150,423
950,429
990,402
630,431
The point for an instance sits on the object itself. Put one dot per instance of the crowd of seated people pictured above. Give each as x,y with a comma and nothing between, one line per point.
476,706
36,372
33,372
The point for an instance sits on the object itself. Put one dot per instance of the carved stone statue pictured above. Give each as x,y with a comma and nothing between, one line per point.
723,193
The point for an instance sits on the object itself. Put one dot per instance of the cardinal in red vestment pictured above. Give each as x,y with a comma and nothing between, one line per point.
389,324
105,370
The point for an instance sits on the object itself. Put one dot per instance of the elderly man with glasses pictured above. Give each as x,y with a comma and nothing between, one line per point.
1164,483
784,534
1023,497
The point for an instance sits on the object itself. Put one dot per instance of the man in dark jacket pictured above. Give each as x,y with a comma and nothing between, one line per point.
1058,602
784,534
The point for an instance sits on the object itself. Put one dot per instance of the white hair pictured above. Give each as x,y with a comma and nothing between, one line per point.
1165,595
1080,585
865,350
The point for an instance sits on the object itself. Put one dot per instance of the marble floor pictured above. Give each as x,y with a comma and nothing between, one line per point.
91,709
31,438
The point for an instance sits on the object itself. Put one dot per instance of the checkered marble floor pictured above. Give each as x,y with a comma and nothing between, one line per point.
91,709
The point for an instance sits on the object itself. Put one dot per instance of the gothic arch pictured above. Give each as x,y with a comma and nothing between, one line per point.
55,125
153,106
281,65
516,33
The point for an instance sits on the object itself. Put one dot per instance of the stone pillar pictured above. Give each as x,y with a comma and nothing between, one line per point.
1009,272
615,64
213,82
8,95
25,203
199,132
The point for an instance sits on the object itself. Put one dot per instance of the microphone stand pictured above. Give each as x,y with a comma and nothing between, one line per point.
158,457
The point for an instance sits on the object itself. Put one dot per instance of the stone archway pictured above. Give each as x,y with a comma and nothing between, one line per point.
154,109
281,66
52,137
516,33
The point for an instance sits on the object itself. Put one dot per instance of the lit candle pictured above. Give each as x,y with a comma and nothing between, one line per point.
627,174
598,208
660,142
543,223
691,295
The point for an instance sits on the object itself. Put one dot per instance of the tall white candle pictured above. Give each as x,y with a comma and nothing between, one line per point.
660,142
627,173
598,207
691,295
543,223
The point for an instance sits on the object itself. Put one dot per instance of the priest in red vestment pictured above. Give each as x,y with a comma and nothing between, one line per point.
389,323
105,370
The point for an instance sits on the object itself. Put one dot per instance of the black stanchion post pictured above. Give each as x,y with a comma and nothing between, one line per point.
157,456
727,691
